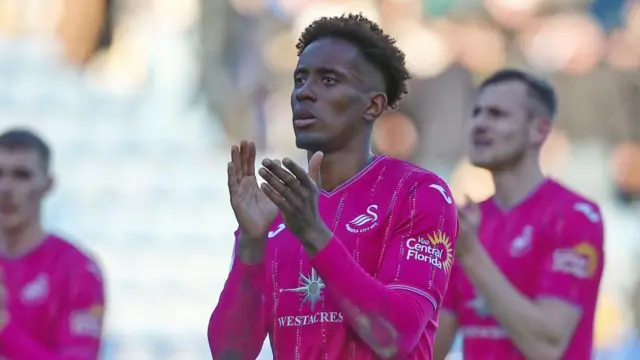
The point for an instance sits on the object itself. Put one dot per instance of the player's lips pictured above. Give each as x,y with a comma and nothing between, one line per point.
303,123
482,142
303,118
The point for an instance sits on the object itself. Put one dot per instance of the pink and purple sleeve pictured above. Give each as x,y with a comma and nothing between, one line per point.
392,309
574,261
237,327
80,327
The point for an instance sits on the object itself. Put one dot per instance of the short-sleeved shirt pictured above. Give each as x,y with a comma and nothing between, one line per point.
548,246
55,298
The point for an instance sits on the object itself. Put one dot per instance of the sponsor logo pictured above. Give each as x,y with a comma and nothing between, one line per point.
483,332
277,231
311,290
364,222
316,318
522,243
36,290
443,192
87,322
311,287
580,261
589,211
435,249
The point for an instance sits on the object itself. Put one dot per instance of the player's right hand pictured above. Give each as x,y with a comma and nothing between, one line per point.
253,209
469,217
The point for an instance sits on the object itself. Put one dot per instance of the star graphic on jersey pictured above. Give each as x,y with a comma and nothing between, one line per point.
311,287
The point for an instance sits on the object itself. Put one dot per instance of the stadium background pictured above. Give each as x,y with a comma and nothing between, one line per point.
141,98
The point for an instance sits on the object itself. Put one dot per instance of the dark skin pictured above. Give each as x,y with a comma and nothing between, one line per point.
345,94
335,84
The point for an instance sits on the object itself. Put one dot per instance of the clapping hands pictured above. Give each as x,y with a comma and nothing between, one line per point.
469,217
288,188
295,192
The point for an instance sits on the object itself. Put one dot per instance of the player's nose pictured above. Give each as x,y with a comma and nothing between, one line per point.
480,122
305,92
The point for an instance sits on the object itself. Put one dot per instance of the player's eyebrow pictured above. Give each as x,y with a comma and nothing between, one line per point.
320,69
494,109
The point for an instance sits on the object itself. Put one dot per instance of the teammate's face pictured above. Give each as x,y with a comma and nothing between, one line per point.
329,102
23,183
501,126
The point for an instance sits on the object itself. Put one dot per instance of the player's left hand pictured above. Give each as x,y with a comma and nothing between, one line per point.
469,217
296,193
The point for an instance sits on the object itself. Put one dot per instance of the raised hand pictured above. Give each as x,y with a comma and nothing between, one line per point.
295,193
469,217
254,211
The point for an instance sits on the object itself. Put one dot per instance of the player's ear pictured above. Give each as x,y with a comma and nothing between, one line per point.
377,106
49,184
540,130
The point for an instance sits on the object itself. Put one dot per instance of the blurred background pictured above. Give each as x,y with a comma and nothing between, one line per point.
141,99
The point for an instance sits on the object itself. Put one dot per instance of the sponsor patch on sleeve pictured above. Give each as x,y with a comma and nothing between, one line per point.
87,322
580,261
434,249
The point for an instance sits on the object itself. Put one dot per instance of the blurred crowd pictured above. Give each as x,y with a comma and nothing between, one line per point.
140,100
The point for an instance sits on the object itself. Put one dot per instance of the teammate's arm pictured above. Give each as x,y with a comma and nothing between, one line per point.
446,335
390,311
542,328
80,328
237,327
447,320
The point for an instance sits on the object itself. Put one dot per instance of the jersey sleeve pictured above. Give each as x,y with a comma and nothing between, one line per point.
574,261
237,326
450,302
420,252
392,308
80,328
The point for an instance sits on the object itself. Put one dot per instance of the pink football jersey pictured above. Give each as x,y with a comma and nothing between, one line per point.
394,228
55,302
548,246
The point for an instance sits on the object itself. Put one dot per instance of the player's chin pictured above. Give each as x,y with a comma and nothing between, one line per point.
310,141
483,162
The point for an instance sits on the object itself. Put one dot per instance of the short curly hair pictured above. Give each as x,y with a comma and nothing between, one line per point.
377,47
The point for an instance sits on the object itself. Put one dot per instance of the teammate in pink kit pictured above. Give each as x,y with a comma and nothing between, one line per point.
351,260
530,258
51,294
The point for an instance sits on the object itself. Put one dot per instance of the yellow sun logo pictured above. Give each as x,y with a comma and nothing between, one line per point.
440,239
590,253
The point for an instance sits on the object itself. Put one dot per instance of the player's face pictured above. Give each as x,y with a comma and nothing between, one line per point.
500,126
327,100
23,183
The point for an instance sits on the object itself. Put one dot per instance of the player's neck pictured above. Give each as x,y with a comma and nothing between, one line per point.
516,183
20,241
339,167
